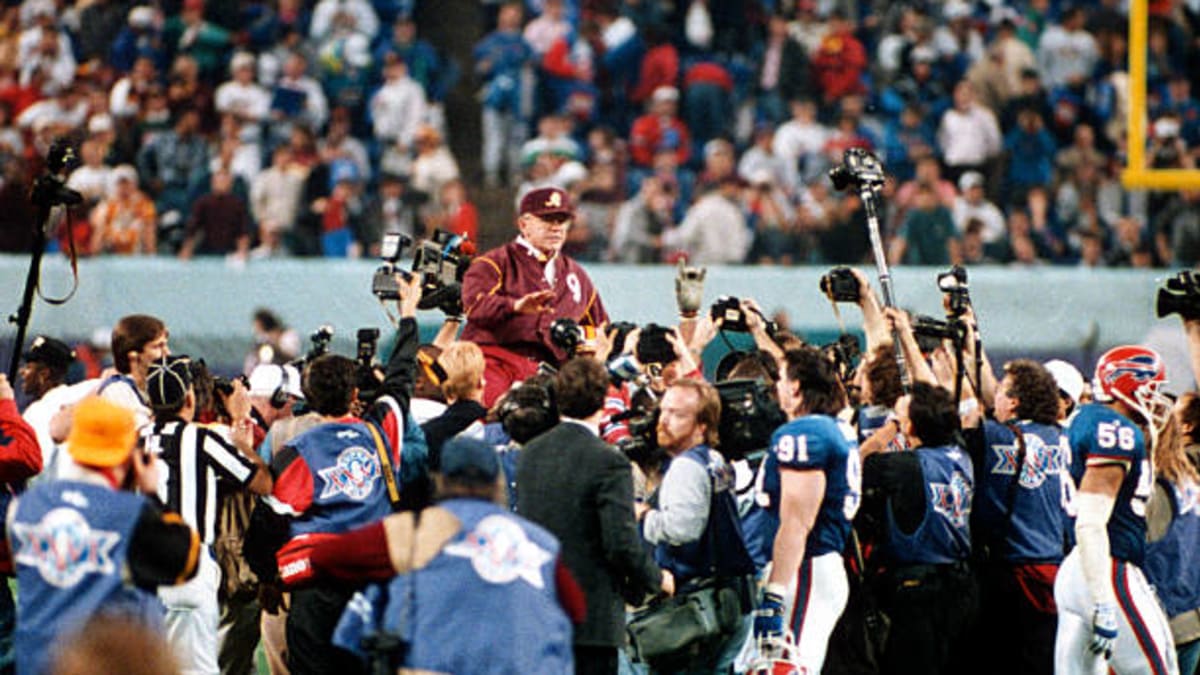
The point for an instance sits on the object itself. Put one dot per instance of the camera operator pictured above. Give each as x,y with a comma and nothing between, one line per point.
1021,458
336,476
917,507
810,487
692,520
273,391
512,294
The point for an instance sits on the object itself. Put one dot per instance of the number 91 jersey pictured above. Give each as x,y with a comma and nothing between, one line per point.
820,443
1099,435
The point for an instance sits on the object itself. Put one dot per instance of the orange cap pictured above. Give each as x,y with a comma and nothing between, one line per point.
102,433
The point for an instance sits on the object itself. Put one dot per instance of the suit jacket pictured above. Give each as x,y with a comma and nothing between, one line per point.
581,489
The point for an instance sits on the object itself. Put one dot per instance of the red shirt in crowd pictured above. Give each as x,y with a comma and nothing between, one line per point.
650,133
838,66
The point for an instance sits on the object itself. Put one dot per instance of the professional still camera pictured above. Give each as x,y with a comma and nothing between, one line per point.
954,285
367,377
840,285
652,348
730,310
930,332
569,336
1179,295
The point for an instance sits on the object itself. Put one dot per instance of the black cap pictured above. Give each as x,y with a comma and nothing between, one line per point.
469,457
53,353
168,381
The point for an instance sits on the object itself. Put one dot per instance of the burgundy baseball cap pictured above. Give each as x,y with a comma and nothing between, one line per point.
547,202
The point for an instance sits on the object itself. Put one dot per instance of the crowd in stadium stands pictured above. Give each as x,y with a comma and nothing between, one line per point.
699,129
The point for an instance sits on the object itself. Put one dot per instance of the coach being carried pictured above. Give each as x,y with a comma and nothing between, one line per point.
513,293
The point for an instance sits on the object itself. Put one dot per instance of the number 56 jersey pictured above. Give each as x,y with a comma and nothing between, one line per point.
815,443
1099,435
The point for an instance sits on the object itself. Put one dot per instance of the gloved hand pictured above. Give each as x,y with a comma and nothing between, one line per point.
1104,629
768,618
689,289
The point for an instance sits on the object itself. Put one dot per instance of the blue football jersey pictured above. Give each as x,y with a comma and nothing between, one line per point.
1026,522
1100,435
815,442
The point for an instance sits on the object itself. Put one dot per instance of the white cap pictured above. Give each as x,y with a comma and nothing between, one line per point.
241,60
267,377
100,123
665,93
955,9
970,179
142,17
1068,377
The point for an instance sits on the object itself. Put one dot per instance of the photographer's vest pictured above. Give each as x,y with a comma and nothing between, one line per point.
1172,563
721,549
944,535
1023,522
348,487
70,546
489,597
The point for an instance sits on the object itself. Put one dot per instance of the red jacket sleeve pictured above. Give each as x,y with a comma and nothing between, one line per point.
20,454
557,60
293,481
360,554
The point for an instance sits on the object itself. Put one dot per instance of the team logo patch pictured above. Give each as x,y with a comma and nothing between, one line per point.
952,500
354,474
1041,461
64,548
500,552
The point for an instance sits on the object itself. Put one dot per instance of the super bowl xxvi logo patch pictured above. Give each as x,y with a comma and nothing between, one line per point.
500,552
353,474
64,548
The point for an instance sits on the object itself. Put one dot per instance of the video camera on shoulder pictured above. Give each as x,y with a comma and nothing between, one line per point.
441,262
641,446
383,284
748,417
840,285
1179,295
730,309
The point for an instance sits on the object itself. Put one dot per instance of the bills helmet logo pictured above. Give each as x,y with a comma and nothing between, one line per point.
1123,372
64,548
500,553
354,474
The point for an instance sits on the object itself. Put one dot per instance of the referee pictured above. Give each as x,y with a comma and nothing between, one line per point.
193,461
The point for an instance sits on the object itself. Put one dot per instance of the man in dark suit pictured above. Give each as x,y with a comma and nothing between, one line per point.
581,490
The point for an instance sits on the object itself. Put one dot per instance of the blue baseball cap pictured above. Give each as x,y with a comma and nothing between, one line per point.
462,456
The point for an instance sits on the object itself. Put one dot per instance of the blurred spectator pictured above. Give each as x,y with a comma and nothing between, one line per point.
1031,152
550,26
761,157
124,223
660,66
906,141
772,219
141,36
785,73
128,92
968,135
714,231
332,19
424,64
457,214
398,107
1177,230
1082,150
928,174
1067,53
243,99
840,61
186,91
502,60
708,101
274,202
219,222
189,33
46,48
972,204
297,98
927,235
660,129
640,222
346,73
956,39
341,213
720,162
433,166
91,179
64,108
389,211
338,144
919,85
799,143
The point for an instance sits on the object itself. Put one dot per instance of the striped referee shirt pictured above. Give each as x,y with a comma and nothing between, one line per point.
192,459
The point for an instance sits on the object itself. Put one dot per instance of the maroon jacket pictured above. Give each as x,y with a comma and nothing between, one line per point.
498,278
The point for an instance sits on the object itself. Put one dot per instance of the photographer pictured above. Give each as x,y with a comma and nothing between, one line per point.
336,476
513,293
692,520
916,507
